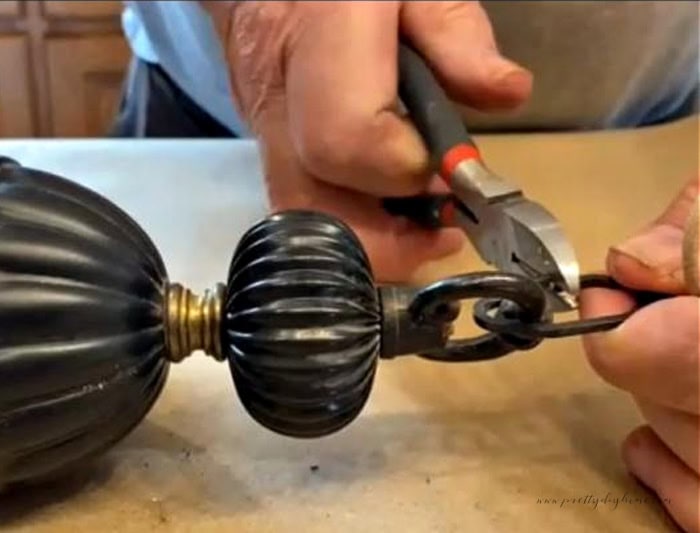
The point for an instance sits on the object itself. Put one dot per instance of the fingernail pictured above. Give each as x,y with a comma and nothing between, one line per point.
656,250
505,71
620,261
637,248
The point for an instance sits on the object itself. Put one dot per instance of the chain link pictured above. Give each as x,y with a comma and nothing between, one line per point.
513,311
504,318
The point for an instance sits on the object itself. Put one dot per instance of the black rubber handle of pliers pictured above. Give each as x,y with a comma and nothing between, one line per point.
432,112
440,125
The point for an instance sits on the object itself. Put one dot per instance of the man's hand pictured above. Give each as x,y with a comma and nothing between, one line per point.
655,356
317,83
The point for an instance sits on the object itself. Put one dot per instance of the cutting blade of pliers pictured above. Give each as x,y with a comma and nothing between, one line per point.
508,230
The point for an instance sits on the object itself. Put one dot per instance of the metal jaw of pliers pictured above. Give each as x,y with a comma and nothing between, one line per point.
509,231
512,233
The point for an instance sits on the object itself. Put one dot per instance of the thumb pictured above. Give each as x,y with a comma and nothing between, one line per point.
457,40
654,258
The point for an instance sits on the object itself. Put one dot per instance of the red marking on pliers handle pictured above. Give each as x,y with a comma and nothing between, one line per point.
455,156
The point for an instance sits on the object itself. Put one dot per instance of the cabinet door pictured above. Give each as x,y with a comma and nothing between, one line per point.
83,9
9,8
15,95
86,76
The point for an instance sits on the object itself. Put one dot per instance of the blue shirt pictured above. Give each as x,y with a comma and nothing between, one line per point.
181,38
609,75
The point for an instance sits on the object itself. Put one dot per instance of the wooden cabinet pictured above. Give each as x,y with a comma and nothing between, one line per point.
9,8
62,67
15,100
85,83
82,9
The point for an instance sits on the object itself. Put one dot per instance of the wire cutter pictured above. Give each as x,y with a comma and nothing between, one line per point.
509,231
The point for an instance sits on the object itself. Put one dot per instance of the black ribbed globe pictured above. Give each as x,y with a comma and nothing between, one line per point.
81,335
302,324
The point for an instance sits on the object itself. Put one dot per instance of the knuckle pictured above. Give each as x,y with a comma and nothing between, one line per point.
327,150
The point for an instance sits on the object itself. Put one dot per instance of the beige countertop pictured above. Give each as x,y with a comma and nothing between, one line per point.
476,447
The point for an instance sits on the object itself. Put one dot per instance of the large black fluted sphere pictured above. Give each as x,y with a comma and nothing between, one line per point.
81,335
302,324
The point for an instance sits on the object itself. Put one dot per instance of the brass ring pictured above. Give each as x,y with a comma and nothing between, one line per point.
193,322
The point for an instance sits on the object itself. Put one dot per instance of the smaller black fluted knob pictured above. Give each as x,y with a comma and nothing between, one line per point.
302,324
